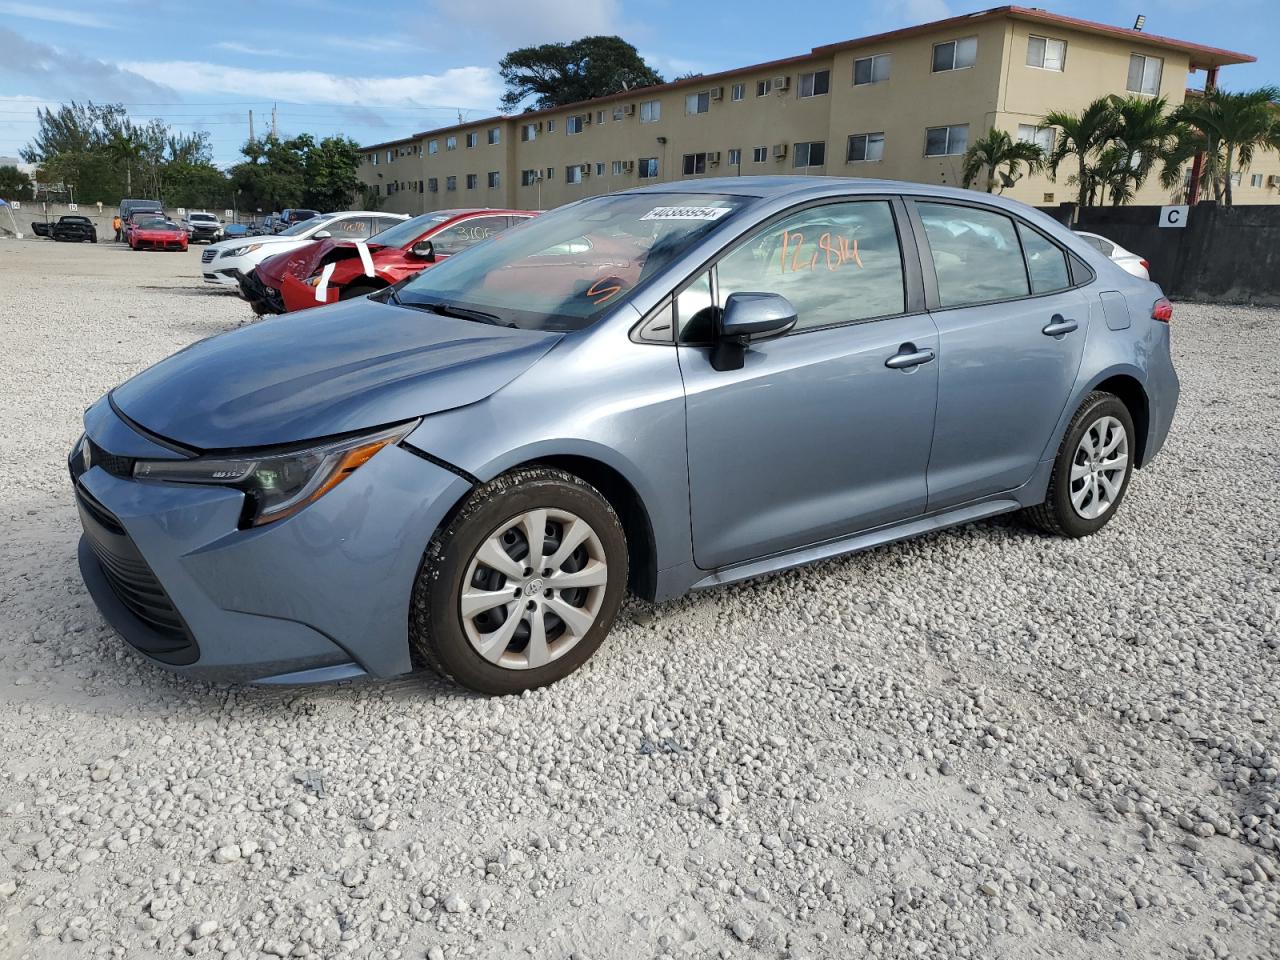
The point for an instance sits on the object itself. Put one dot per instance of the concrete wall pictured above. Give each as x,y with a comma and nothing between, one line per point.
1224,254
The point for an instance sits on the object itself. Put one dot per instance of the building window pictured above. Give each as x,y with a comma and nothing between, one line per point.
1043,137
739,92
1144,74
866,146
551,125
1255,180
573,173
651,111
472,180
648,168
697,102
764,88
451,183
872,69
573,125
433,185
759,154
528,178
551,173
955,54
433,147
599,168
815,84
374,158
616,169
528,131
472,140
495,180
1046,53
599,116
451,143
391,156
735,157
617,113
694,164
495,135
946,141
812,154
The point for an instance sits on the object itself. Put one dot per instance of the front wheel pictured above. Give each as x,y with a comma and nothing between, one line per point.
1092,469
523,585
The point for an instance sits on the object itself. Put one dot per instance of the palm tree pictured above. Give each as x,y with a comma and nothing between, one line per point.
1140,135
1081,135
1231,127
999,150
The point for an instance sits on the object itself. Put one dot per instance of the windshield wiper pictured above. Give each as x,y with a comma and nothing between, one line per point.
460,313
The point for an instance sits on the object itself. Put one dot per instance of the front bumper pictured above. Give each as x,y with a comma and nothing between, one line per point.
297,294
262,298
322,595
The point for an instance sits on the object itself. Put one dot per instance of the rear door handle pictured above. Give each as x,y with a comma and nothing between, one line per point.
908,356
1059,327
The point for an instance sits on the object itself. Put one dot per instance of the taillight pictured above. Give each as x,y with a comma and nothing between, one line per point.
1162,310
1145,266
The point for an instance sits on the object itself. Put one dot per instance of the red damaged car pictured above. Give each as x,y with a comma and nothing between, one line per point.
157,234
333,270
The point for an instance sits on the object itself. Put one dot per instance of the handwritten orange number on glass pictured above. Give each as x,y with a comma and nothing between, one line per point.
837,252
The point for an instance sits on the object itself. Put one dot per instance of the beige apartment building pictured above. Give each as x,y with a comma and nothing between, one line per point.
902,105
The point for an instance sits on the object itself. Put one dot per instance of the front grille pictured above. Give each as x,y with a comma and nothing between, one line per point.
208,255
134,583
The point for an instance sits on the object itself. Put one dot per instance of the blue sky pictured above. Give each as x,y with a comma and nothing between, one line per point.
380,69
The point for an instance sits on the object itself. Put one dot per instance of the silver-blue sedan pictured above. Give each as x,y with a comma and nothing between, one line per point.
660,390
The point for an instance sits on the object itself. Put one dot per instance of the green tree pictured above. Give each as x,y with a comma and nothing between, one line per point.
330,167
273,174
998,152
1081,135
1140,135
554,74
14,184
1230,128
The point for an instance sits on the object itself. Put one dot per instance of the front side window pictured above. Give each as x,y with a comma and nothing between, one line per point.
697,102
651,111
866,146
815,84
648,168
617,244
872,69
1046,53
976,254
955,54
946,141
1046,263
468,233
812,154
1042,137
837,264
1144,74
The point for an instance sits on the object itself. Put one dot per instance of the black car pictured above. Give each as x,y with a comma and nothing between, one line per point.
73,229
291,216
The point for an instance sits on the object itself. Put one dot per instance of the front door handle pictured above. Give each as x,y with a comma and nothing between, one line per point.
908,356
1059,327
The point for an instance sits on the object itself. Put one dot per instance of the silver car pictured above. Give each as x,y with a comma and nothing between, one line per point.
660,390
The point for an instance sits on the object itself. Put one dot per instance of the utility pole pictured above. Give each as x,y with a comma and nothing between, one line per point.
251,126
273,121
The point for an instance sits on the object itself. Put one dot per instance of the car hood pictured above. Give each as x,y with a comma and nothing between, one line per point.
264,239
322,372
300,262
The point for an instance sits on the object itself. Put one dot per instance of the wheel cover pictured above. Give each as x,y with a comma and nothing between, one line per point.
533,589
1099,467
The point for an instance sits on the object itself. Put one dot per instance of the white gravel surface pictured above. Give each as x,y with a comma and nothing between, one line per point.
986,743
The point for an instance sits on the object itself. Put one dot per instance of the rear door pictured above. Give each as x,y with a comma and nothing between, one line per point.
1011,330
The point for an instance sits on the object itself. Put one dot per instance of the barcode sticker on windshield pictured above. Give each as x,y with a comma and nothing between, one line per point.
685,213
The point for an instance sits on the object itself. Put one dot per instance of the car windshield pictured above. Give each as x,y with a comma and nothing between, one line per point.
408,230
303,226
158,224
563,270
202,217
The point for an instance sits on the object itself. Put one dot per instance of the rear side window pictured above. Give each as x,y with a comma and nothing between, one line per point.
1046,263
837,264
976,254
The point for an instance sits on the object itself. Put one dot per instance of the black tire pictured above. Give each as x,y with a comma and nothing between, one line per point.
353,290
435,622
1057,515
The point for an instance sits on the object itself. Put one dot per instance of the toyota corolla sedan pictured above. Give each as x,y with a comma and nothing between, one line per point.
660,390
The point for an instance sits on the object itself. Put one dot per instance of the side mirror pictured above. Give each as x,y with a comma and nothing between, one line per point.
321,235
424,250
747,317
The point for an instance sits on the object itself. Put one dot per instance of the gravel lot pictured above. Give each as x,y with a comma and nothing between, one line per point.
986,743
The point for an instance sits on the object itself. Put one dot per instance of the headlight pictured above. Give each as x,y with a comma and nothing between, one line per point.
241,251
278,483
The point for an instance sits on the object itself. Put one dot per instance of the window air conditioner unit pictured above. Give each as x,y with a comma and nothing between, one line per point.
586,119
629,110
1273,180
717,93
781,84
585,168
779,151
628,165
713,157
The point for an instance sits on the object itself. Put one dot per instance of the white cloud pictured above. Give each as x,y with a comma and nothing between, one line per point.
75,18
58,73
522,23
236,47
462,87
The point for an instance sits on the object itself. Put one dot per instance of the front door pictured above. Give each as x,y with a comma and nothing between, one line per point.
815,437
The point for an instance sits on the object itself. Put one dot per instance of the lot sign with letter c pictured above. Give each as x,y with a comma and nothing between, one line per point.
1174,216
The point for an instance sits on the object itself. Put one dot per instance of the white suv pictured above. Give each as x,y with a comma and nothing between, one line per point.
224,262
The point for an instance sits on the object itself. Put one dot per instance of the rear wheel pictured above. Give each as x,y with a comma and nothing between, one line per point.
523,585
1092,469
